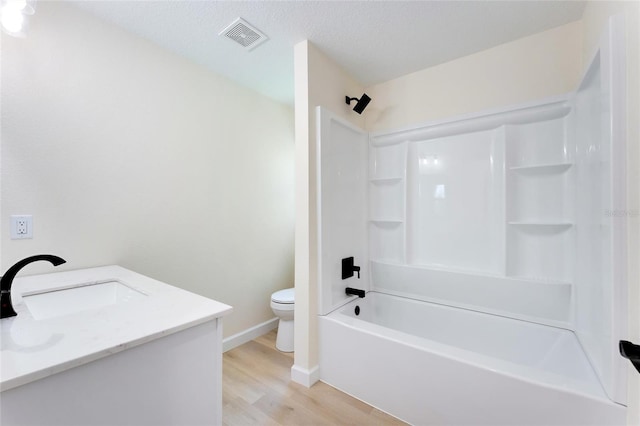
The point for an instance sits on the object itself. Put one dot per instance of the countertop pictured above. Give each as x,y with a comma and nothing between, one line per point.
33,349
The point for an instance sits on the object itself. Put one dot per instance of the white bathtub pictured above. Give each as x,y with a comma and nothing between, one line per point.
432,364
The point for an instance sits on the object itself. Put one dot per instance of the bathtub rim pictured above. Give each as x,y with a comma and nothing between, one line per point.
473,359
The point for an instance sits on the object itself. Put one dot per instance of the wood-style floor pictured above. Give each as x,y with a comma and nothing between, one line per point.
257,390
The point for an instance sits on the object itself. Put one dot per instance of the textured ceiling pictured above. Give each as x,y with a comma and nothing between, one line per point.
374,41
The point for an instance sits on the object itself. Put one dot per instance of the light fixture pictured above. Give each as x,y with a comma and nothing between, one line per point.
14,14
361,104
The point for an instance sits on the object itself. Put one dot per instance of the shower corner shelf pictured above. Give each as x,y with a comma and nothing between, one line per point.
548,168
541,280
549,224
382,180
386,221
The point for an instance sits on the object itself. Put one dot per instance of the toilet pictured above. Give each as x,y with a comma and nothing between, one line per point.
282,303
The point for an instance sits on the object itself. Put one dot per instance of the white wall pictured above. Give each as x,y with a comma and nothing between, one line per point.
318,81
127,154
527,69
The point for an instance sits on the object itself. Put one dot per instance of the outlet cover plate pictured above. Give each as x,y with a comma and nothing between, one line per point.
21,227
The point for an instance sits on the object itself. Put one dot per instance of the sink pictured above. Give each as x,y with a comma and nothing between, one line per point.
84,297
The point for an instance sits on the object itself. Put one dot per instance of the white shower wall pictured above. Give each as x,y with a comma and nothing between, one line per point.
342,205
600,201
487,206
455,198
471,212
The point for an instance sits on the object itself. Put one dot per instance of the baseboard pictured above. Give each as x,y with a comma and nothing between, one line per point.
305,377
249,334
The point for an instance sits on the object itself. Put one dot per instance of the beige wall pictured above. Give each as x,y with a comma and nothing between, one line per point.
319,81
595,18
531,68
128,154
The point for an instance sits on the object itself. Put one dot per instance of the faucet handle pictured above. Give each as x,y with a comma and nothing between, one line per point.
348,268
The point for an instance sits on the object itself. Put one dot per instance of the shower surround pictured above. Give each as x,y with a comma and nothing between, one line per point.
503,213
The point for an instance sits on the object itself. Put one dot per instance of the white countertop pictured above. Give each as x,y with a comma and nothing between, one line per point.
33,349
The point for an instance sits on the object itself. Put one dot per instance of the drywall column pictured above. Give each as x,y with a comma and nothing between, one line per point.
305,311
318,81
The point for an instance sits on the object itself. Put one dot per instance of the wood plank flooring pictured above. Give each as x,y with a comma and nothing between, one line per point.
257,390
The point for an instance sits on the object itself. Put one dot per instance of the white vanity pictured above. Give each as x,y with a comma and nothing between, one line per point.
110,346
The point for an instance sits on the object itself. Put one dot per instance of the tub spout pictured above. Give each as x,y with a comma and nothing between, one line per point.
354,292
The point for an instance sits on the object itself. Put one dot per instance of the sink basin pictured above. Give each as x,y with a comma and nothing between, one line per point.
51,304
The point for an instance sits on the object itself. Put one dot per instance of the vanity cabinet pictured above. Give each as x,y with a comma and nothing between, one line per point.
155,362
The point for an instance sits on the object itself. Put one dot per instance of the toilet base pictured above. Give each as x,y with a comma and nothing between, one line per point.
284,341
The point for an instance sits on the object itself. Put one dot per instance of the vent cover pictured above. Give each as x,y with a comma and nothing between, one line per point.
243,33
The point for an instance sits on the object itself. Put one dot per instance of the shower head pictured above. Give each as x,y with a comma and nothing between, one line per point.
361,104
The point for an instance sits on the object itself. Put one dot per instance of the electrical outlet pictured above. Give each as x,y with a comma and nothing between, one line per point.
21,227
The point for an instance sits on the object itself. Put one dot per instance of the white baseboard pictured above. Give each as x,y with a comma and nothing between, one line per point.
305,377
249,334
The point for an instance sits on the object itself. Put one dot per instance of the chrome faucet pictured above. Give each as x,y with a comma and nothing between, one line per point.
6,305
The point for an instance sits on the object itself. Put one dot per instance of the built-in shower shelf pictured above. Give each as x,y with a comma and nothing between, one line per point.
386,221
543,224
541,280
534,169
383,180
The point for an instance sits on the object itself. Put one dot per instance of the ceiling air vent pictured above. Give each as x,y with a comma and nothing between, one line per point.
243,33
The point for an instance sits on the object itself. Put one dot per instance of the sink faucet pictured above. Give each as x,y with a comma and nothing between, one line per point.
7,280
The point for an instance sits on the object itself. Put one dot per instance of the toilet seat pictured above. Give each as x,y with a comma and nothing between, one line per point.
284,297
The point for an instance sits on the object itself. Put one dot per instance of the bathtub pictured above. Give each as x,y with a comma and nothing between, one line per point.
433,364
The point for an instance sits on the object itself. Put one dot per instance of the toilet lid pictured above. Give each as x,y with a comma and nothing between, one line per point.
283,296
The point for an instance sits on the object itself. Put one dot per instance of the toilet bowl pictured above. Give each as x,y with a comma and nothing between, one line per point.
282,304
